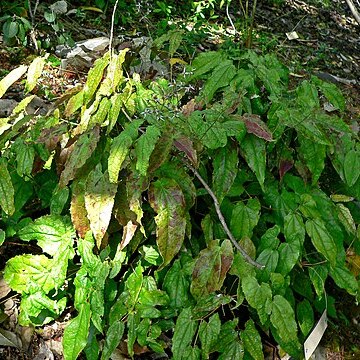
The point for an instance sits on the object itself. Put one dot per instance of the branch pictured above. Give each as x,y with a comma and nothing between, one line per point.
353,10
222,219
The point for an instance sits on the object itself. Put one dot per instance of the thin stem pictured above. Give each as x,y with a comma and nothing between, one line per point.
112,28
222,219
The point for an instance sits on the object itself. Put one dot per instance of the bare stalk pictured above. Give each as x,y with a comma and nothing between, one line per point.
353,10
222,219
112,28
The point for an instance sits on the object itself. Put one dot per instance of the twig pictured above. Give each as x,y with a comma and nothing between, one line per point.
222,219
228,16
353,10
112,28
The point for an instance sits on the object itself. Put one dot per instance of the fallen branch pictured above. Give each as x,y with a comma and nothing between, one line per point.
222,219
353,10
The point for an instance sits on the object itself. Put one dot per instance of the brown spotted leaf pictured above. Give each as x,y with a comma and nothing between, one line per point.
77,208
83,148
256,126
211,268
185,145
167,199
99,202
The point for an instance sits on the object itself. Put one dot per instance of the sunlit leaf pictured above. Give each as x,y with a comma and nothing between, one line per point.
34,72
11,78
53,233
6,189
99,201
76,333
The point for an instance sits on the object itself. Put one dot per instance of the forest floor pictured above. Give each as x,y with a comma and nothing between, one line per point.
328,45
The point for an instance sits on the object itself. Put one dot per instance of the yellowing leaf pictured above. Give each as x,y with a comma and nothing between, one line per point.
34,72
6,189
10,78
99,201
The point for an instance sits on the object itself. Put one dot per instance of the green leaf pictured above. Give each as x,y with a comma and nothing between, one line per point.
331,92
34,72
211,268
167,199
282,319
10,29
11,78
132,325
208,334
258,296
314,155
252,340
144,147
233,351
76,333
244,218
2,236
269,258
58,200
318,275
28,273
185,329
192,353
53,233
74,104
307,95
6,189
225,166
38,309
99,201
94,77
346,218
211,133
25,154
113,338
220,77
294,229
100,115
205,62
119,150
177,285
289,254
322,239
352,167
305,317
345,279
83,148
254,152
208,304
134,284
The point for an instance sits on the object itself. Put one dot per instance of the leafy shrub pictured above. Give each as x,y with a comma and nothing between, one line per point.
135,192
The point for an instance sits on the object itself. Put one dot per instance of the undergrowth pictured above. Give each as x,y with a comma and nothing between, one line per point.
192,217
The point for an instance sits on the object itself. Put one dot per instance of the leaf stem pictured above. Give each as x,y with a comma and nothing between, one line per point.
222,219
